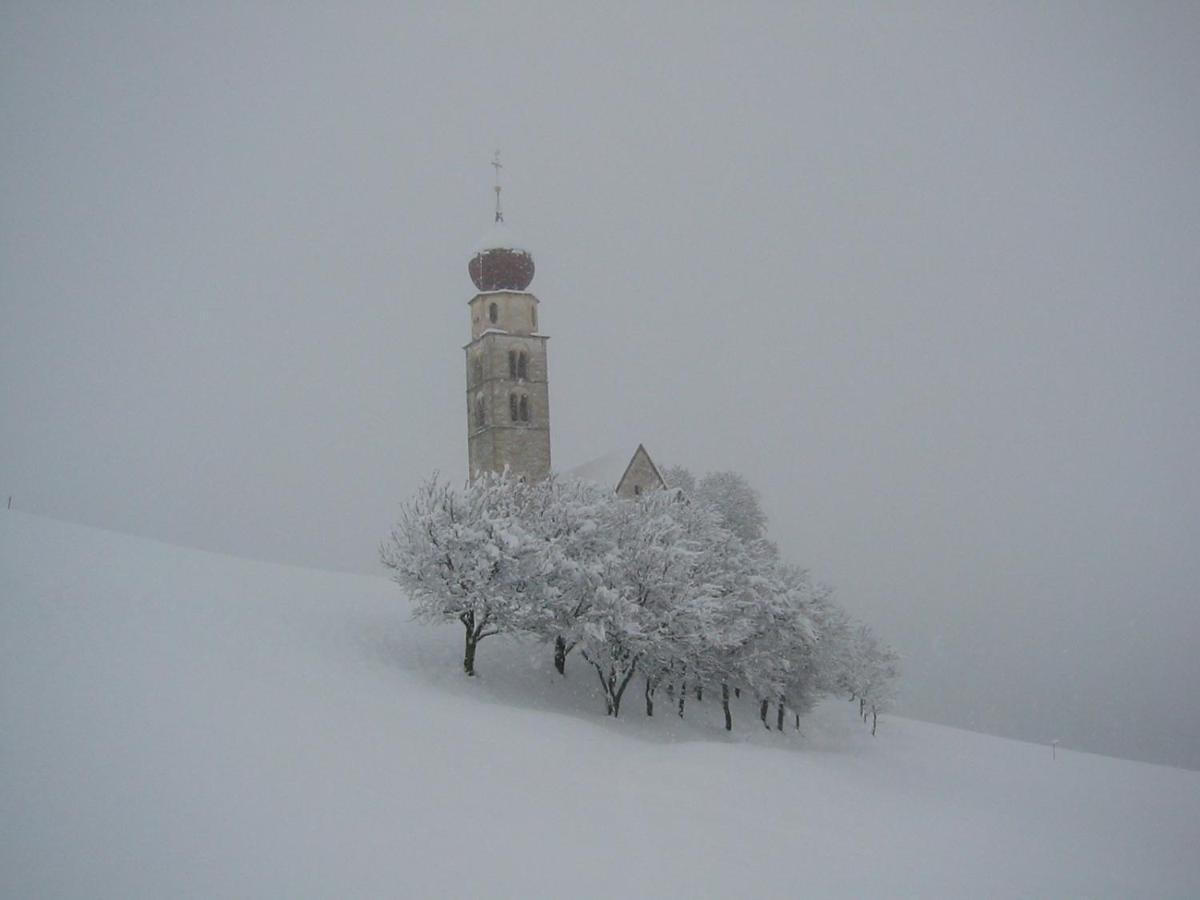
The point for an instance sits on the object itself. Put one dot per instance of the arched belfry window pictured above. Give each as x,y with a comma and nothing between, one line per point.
524,408
512,364
533,316
513,411
523,365
493,312
480,416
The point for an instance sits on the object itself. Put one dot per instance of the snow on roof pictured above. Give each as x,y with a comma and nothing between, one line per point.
500,237
604,470
610,469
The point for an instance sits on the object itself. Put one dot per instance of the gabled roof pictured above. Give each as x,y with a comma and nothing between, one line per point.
609,470
606,470
641,450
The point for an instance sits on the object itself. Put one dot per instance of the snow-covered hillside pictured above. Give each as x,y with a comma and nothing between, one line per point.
174,722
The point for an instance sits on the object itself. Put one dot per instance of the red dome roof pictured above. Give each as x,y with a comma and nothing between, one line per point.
501,269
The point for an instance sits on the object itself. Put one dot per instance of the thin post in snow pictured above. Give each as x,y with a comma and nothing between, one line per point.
1054,749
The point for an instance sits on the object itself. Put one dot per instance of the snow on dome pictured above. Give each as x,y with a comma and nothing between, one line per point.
500,237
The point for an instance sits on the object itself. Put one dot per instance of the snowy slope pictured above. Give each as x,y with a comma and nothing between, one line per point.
175,722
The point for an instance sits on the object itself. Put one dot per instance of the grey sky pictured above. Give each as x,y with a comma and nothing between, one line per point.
927,276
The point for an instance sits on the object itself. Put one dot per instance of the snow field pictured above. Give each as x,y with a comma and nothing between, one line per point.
179,723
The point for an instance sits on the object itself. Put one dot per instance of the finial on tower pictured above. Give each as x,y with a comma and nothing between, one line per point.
500,263
496,164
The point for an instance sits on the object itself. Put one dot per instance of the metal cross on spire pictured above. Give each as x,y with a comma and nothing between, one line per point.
496,164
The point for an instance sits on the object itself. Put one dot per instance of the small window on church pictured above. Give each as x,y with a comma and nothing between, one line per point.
480,418
493,312
478,370
533,316
637,490
522,365
524,408
513,412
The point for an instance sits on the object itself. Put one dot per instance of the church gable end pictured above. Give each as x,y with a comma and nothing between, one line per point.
641,476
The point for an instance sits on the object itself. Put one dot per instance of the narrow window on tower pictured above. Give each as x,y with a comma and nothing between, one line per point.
512,364
524,408
523,365
637,490
493,312
533,316
478,370
480,418
512,408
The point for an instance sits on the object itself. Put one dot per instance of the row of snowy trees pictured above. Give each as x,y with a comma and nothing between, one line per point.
680,588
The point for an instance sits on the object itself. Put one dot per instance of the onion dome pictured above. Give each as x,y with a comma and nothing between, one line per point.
500,262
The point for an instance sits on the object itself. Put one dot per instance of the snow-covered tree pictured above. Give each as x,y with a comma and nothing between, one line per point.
468,556
679,478
786,670
869,670
571,517
640,577
698,625
879,671
690,594
807,679
736,502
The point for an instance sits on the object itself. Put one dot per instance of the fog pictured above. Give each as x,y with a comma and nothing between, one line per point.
926,276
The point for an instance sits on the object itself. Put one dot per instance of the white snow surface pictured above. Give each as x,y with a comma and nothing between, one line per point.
174,722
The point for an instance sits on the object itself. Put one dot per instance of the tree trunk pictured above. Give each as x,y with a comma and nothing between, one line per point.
779,720
682,698
649,698
612,688
560,655
797,721
604,687
874,721
762,713
469,652
699,693
618,690
737,692
725,707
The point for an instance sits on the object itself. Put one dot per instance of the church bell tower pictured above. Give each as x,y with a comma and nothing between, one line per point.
508,400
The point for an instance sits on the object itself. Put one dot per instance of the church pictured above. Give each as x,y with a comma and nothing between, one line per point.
508,387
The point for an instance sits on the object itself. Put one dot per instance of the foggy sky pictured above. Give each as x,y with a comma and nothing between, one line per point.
927,276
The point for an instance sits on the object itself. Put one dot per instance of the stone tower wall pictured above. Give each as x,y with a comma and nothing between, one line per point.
516,312
524,447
